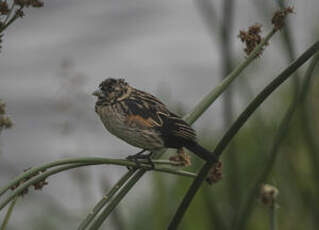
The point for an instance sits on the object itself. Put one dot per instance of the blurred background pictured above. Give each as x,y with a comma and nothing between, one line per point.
53,58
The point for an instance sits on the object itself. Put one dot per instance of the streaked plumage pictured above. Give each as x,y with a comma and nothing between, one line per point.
142,120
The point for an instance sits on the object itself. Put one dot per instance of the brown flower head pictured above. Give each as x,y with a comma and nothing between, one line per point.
251,38
278,20
215,173
37,186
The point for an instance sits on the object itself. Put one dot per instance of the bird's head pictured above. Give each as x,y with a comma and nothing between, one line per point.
111,90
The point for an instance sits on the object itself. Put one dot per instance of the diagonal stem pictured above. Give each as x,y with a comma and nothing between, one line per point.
203,105
8,214
235,128
106,212
246,209
272,216
106,198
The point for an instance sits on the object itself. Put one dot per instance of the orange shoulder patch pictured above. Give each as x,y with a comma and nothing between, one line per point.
140,121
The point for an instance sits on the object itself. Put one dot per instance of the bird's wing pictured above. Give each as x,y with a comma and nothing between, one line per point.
146,110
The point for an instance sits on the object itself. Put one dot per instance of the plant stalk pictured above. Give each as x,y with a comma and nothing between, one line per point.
235,128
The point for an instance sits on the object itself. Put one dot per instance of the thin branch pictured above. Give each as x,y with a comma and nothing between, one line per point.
305,115
309,137
106,198
106,212
235,128
308,131
233,183
35,180
224,33
202,106
272,216
8,214
10,13
307,197
88,161
14,17
217,219
92,160
246,209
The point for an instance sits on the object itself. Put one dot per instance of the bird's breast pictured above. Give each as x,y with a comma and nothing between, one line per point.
112,118
120,124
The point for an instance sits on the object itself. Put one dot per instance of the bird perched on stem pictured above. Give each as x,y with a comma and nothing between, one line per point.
143,121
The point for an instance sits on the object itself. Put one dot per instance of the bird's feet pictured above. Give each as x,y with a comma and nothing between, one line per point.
139,156
181,158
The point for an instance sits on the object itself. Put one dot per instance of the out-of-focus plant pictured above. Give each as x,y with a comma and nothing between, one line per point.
268,196
12,10
5,121
9,12
254,46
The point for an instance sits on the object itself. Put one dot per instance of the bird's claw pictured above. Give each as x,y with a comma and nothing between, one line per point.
137,157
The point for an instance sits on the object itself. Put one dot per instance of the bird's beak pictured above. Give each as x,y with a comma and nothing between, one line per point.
97,93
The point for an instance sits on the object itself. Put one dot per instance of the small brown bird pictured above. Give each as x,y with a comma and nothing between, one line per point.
142,120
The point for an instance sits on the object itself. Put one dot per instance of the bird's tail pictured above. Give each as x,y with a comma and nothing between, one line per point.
201,152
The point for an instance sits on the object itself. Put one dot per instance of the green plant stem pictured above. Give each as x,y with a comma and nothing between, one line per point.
203,105
33,171
309,131
88,161
307,197
8,214
272,216
235,128
246,208
35,180
117,199
233,182
94,160
105,199
106,212
217,219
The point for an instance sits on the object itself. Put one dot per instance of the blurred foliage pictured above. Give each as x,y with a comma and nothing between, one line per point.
12,10
293,175
5,121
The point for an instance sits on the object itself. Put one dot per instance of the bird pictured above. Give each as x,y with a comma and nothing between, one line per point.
143,121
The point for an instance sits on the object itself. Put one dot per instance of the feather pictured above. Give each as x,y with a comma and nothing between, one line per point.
172,128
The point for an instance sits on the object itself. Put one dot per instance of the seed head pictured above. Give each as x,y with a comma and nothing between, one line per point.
215,173
279,17
268,194
251,38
